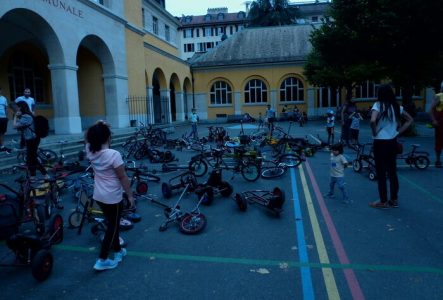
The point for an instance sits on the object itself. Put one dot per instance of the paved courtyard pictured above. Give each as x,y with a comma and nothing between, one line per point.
317,249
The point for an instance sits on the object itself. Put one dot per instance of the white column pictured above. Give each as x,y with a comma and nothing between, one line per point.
116,91
166,105
237,103
150,104
180,106
311,111
274,101
65,97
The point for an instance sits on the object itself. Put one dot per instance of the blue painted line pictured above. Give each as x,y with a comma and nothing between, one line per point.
308,291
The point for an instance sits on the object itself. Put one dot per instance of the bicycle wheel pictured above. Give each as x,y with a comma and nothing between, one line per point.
290,160
192,223
272,172
140,153
356,165
421,162
41,265
75,219
47,156
55,229
199,167
250,171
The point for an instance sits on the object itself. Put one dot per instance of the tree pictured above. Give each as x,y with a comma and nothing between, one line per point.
271,13
379,39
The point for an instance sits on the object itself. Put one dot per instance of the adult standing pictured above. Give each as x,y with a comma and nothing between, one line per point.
386,126
3,121
436,113
24,121
270,117
27,99
348,109
194,122
110,180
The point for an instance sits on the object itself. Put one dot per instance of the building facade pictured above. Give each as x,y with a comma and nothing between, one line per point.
121,61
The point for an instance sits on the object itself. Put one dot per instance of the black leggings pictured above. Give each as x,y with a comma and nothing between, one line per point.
31,157
385,156
112,213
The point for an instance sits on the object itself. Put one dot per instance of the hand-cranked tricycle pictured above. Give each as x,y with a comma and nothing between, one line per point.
271,200
27,249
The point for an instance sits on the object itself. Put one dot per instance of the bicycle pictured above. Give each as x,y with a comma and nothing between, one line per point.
140,177
241,161
420,159
363,157
191,222
44,156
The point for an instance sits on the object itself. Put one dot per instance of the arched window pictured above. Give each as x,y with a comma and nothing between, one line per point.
291,89
220,16
256,92
208,17
221,93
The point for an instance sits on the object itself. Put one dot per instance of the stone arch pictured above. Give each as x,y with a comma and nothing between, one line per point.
175,96
29,45
160,97
96,81
299,78
187,97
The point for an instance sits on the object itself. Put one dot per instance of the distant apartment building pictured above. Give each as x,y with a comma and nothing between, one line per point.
202,33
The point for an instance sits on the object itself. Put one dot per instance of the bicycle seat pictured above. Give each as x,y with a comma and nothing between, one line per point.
415,145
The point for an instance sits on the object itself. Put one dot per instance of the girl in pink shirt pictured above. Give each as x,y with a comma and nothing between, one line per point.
110,180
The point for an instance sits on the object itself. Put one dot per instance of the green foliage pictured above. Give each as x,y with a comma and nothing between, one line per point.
378,39
271,13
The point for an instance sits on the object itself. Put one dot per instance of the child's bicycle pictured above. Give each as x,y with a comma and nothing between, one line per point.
419,159
191,222
365,160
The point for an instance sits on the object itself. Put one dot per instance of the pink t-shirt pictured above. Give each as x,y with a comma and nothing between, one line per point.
107,186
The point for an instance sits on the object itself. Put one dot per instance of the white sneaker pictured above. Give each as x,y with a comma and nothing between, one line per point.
118,256
101,265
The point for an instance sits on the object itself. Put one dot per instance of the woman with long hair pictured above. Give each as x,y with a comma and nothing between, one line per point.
24,121
110,180
386,124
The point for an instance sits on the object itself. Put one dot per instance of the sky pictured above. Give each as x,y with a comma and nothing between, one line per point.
200,7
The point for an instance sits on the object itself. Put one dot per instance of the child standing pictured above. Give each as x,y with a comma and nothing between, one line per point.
330,123
355,127
337,172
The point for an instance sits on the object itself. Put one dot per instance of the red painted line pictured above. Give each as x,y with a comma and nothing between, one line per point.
350,276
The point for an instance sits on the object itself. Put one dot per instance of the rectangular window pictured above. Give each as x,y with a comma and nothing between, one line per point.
221,31
189,47
154,25
314,19
144,18
167,33
209,45
201,47
197,32
231,30
208,31
187,33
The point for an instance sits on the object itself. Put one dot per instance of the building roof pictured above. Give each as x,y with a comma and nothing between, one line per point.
213,19
260,45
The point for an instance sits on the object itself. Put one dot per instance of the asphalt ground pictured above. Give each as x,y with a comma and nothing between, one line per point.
317,249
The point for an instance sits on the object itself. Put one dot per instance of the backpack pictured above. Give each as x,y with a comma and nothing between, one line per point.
41,125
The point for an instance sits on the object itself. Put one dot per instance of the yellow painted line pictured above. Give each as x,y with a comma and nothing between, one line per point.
328,274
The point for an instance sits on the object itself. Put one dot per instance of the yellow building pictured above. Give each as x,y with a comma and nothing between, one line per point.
120,60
